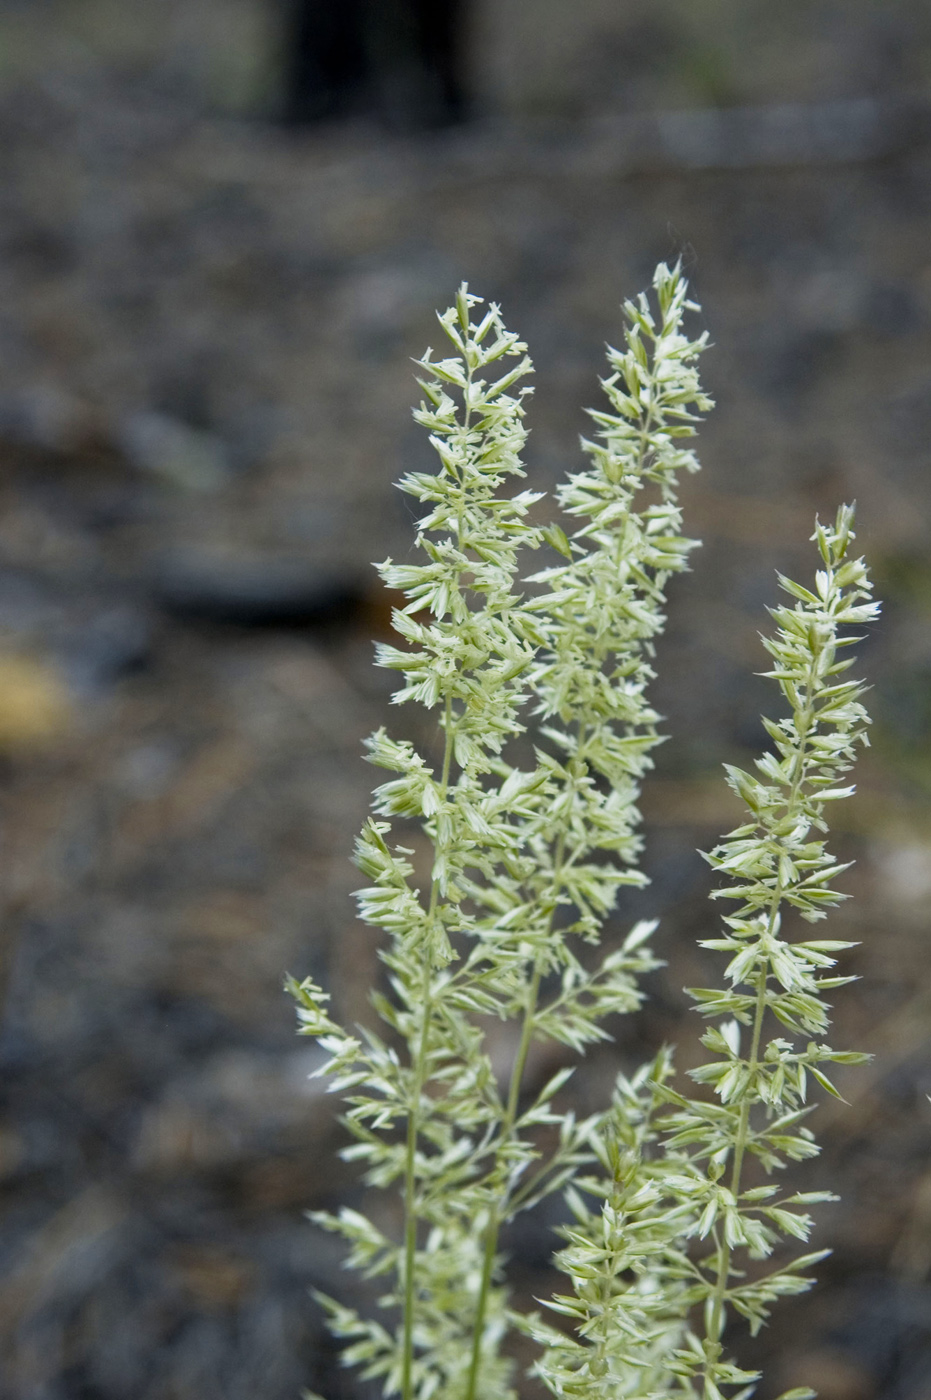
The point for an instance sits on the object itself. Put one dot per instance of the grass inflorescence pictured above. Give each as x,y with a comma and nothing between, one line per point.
527,861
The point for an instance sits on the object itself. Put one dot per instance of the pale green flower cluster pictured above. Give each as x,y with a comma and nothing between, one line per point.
528,860
634,1261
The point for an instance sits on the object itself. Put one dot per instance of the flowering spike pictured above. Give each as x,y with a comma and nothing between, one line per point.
690,1182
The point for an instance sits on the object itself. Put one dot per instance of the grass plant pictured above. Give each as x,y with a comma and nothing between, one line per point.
666,1239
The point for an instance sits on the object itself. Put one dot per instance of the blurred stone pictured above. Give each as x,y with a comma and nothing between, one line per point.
35,709
240,1106
65,1255
12,1153
48,417
906,872
214,1277
185,457
114,644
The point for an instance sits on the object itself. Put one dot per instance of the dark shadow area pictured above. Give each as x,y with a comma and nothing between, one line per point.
400,60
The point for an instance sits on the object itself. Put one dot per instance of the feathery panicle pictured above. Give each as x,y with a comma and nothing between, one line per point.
526,862
599,614
421,1118
765,1045
605,606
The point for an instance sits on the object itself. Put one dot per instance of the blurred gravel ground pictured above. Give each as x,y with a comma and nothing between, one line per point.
206,330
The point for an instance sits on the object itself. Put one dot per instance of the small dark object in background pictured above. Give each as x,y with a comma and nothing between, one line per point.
325,57
400,59
255,593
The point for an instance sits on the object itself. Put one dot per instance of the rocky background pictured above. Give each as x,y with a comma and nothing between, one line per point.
225,228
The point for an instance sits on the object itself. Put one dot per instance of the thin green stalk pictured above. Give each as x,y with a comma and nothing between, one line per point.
413,1118
493,1228
725,1252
